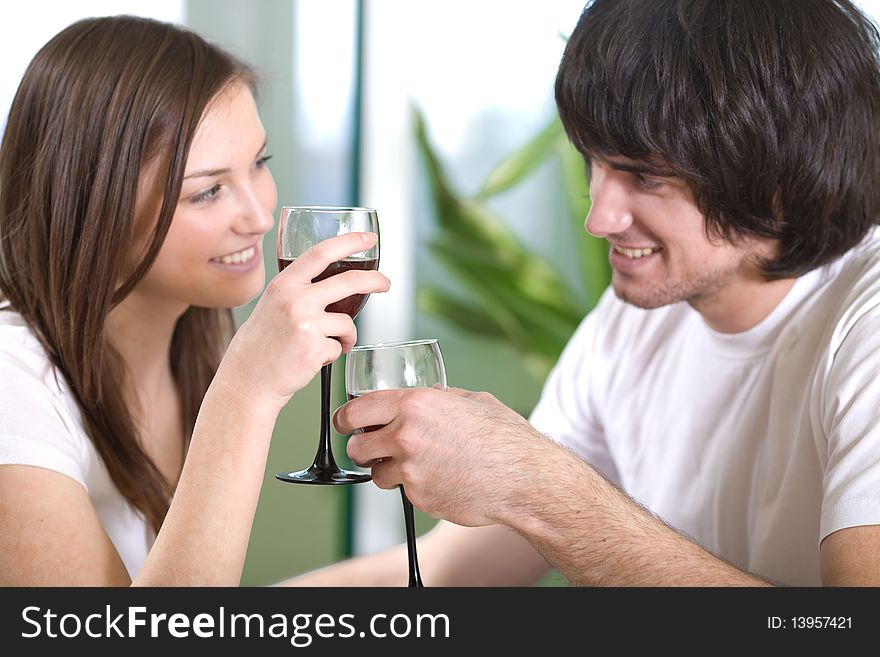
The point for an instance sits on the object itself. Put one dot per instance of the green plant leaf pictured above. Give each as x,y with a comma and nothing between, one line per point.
527,282
522,162
575,177
592,251
470,226
466,316
515,295
530,325
462,218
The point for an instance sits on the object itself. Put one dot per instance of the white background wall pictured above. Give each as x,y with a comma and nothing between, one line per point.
26,26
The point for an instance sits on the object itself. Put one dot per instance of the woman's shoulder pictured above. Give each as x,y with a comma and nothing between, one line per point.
40,422
21,354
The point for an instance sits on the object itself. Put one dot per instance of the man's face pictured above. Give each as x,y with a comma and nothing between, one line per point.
660,251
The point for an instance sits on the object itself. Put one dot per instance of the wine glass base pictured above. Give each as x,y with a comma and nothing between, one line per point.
323,477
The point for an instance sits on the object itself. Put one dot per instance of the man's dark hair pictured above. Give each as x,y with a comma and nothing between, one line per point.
769,111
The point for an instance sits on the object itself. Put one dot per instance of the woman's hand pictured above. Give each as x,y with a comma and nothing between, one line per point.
289,335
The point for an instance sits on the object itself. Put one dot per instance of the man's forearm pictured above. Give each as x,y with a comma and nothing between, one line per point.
595,535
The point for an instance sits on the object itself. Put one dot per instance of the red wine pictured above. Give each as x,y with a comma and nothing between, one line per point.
352,305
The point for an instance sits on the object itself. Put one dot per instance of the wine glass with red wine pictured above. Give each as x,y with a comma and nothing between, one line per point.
301,228
393,365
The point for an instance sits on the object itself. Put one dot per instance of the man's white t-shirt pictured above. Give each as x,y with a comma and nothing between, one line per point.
41,425
758,444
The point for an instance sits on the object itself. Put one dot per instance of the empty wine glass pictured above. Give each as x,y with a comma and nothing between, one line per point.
301,228
413,364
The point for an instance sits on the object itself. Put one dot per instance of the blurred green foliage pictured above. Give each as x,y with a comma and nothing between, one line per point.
512,294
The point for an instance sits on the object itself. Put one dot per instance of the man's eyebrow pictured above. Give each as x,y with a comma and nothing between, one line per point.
207,173
641,168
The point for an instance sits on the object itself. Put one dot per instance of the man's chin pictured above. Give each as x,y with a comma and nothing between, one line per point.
643,301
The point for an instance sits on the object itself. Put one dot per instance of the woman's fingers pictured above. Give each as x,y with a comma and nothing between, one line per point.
340,327
313,262
292,316
317,259
344,284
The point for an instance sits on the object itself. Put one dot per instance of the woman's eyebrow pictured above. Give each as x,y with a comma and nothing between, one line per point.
217,172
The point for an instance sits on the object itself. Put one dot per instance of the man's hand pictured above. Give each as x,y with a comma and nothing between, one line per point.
458,454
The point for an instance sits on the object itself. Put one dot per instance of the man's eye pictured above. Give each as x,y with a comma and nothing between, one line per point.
646,183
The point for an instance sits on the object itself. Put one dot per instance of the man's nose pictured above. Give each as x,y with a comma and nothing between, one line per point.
610,211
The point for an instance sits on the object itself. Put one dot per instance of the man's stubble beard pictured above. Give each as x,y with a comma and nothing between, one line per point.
691,290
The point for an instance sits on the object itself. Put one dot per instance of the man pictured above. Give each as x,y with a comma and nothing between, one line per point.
716,419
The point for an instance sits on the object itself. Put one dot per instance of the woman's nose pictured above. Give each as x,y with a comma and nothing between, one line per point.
255,212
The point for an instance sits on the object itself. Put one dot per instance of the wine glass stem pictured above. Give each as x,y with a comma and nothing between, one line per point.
415,579
324,457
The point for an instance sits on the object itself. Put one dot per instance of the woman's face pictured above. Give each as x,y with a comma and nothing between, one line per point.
212,255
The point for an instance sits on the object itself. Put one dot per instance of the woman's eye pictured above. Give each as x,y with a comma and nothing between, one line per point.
259,164
208,194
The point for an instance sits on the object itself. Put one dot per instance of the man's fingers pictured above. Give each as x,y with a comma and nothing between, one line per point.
314,261
370,447
371,409
384,474
461,392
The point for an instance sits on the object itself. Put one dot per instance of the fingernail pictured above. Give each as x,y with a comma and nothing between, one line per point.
368,238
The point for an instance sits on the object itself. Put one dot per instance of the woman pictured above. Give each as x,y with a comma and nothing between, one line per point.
134,197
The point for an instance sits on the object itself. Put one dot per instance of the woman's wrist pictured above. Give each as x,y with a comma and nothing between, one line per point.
231,390
241,382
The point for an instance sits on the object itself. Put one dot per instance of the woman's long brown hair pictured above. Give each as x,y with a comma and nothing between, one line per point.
102,101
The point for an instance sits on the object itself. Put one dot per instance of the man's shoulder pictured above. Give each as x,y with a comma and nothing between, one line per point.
836,298
864,255
854,279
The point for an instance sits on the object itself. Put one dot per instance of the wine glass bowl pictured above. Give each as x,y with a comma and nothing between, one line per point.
301,228
394,365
